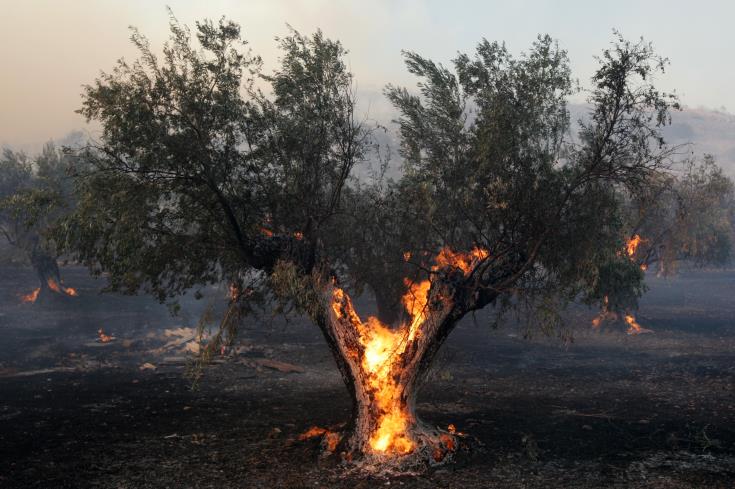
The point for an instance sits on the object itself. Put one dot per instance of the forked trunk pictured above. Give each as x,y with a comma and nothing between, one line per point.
382,368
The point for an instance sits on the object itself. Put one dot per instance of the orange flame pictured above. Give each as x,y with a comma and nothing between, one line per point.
449,259
60,289
104,338
32,296
331,438
633,327
633,243
55,287
383,349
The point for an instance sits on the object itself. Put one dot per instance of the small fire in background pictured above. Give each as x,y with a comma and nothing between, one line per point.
330,438
104,338
633,327
54,287
31,297
633,244
60,289
632,247
70,291
605,314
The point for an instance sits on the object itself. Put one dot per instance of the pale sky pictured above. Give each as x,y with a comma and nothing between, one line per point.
50,48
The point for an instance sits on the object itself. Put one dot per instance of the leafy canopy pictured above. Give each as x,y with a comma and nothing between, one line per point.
202,176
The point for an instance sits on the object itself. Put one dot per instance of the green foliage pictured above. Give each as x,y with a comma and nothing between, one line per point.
34,195
685,215
202,177
490,161
621,282
294,289
197,166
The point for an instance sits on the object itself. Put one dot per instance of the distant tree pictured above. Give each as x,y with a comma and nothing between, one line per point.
34,195
201,178
682,216
688,218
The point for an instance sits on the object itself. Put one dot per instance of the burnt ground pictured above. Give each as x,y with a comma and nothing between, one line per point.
607,410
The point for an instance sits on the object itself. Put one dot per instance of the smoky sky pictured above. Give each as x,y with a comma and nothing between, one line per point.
50,48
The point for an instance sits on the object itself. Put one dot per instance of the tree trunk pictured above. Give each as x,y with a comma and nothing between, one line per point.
49,276
383,368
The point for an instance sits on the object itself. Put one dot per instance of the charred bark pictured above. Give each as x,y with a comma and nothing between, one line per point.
383,369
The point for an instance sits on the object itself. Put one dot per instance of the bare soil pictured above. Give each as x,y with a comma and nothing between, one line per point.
606,410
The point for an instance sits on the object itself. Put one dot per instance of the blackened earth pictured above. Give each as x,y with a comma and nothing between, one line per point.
605,410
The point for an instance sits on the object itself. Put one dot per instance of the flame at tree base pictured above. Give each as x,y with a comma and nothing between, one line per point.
634,328
53,286
385,363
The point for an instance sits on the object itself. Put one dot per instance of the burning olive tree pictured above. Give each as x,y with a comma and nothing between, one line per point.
34,195
203,175
686,216
682,216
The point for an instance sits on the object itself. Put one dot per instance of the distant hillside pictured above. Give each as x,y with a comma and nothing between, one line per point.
709,131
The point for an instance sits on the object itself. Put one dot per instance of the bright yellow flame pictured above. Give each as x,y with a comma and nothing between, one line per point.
383,347
449,259
604,315
633,244
415,300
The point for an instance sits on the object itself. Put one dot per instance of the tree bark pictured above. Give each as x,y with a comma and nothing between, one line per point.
383,369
